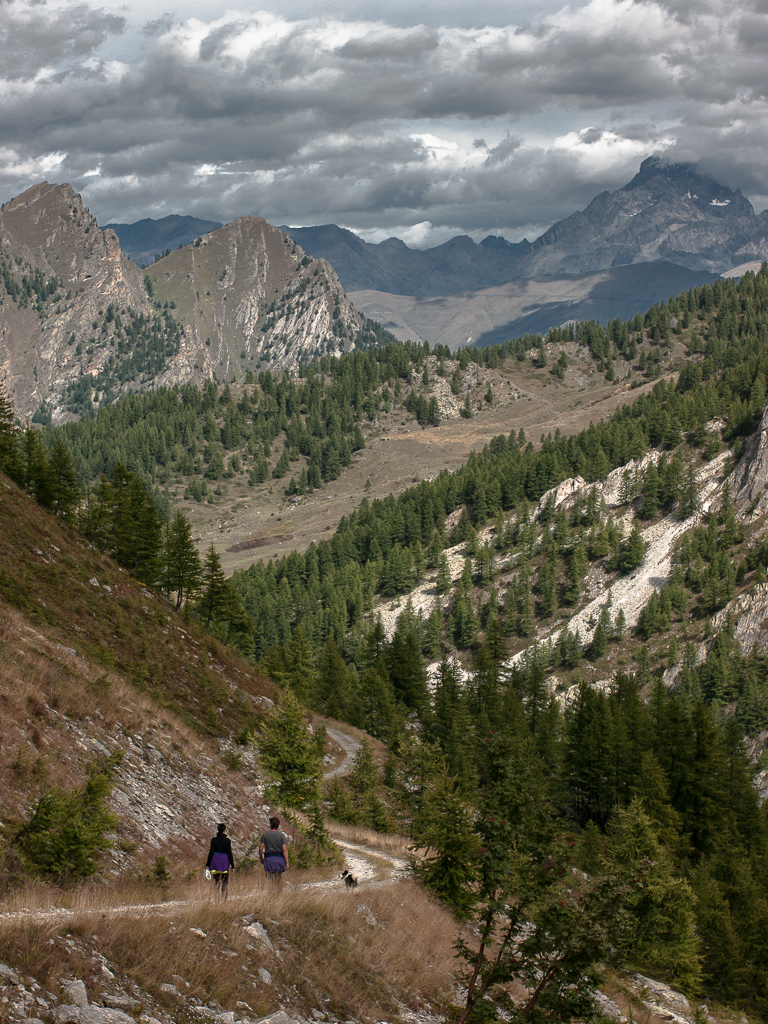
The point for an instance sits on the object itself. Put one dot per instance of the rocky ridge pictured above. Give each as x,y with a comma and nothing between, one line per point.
70,300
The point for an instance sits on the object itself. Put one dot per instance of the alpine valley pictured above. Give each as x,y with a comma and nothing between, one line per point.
485,626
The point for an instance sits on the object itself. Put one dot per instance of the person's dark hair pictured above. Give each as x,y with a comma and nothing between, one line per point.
274,823
221,828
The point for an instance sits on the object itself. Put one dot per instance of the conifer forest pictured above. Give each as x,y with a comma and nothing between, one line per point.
505,654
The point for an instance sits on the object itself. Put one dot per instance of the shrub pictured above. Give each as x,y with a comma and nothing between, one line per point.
66,829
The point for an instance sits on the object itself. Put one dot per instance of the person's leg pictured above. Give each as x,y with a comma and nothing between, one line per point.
224,885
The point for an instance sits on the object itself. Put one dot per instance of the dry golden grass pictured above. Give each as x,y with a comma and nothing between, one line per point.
331,957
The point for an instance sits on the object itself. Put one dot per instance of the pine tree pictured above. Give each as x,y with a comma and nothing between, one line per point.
663,938
65,491
339,802
443,581
334,683
9,459
444,825
538,924
283,465
634,552
364,772
689,495
599,641
650,504
300,666
35,471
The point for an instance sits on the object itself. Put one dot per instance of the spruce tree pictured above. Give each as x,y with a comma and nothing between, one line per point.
215,589
181,571
290,755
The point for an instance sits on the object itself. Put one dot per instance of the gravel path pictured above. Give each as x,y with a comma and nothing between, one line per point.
350,746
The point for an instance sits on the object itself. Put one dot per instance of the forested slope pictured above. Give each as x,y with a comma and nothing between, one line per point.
487,677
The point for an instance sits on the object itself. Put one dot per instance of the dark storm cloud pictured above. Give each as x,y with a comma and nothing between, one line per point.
36,38
159,26
387,46
373,124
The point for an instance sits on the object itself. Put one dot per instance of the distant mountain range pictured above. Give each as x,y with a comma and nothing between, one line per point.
667,212
80,322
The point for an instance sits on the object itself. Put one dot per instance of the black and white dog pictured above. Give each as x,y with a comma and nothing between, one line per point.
349,879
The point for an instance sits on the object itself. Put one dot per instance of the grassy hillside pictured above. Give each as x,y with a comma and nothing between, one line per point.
92,664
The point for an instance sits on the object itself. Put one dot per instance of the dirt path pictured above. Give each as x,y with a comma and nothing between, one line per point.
349,745
369,866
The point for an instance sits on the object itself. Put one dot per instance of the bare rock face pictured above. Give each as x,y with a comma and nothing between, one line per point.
249,297
749,480
80,323
60,274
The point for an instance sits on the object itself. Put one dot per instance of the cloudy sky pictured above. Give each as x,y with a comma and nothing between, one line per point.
419,119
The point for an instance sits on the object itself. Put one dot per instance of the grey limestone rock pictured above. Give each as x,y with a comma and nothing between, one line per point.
258,931
368,916
8,974
75,993
120,1002
104,1015
65,1013
749,479
669,996
278,1017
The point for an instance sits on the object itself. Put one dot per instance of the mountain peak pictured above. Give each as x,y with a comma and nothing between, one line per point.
659,175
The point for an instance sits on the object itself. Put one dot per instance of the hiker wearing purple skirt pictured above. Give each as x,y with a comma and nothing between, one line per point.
220,861
273,851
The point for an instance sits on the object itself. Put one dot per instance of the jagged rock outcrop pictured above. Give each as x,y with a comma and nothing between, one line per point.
80,323
248,295
749,479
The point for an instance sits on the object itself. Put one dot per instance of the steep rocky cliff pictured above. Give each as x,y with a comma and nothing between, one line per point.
80,323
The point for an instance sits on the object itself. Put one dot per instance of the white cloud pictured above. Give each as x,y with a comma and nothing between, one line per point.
599,151
13,166
389,121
